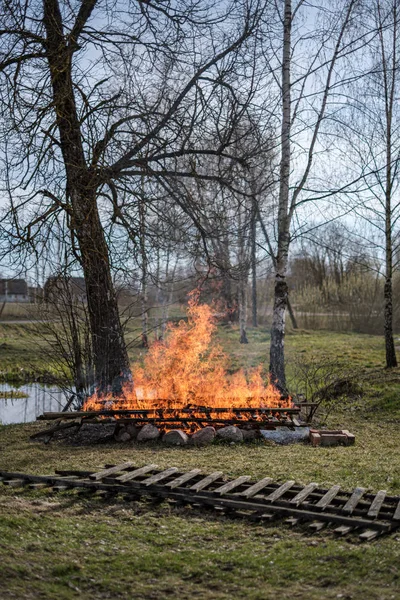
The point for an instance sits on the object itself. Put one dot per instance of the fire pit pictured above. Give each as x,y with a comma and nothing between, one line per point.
231,424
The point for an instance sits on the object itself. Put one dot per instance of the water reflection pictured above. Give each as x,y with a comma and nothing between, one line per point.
40,398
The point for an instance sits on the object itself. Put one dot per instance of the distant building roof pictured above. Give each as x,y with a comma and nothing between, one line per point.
16,287
57,284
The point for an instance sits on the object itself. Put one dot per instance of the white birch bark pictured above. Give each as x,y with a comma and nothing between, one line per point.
277,355
286,204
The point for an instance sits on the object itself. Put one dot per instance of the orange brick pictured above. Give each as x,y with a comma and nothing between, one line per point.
315,438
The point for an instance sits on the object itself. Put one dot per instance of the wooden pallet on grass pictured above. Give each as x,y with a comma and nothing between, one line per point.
366,514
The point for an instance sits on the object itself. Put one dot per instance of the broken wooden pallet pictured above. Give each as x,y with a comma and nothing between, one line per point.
368,515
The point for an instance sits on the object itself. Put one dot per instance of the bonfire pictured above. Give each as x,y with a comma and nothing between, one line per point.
188,369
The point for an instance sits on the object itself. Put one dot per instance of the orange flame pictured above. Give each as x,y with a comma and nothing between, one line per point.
190,368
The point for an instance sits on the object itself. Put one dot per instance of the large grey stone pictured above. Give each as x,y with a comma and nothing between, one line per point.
249,435
148,432
203,436
230,434
133,430
122,435
284,435
175,437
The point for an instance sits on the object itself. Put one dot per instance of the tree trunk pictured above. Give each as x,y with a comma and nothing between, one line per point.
389,83
254,270
242,294
391,360
109,351
226,288
158,298
227,295
143,296
168,292
273,258
277,350
291,314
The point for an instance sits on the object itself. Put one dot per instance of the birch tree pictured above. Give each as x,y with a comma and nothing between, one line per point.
374,142
311,59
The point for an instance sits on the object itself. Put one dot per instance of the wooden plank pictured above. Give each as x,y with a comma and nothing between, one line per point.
353,500
292,521
59,487
280,491
231,485
343,529
203,483
317,525
14,482
76,473
368,535
55,428
303,494
396,516
255,488
49,416
110,471
328,497
159,476
59,484
136,473
259,516
183,478
377,504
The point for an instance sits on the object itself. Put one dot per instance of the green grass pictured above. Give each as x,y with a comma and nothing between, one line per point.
94,550
12,395
68,547
111,553
358,350
23,355
26,355
64,546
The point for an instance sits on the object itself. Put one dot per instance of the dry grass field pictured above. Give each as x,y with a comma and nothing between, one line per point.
67,546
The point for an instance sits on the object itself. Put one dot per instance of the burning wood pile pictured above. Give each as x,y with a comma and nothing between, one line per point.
184,391
197,425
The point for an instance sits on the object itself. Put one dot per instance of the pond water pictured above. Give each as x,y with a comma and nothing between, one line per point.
40,398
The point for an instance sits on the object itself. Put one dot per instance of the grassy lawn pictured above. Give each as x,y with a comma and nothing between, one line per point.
26,355
67,546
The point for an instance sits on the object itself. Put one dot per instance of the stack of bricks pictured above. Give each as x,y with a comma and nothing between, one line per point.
326,437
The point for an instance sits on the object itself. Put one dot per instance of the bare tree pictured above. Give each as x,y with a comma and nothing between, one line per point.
144,270
96,94
229,213
304,94
66,329
374,142
254,320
